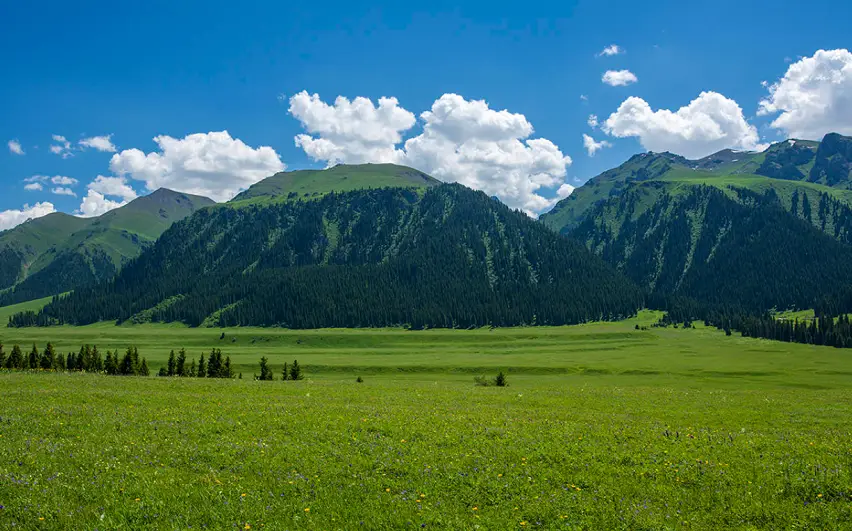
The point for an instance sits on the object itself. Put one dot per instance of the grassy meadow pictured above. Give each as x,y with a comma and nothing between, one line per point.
603,426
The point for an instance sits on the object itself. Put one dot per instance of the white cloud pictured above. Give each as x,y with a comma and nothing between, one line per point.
13,218
63,149
61,179
711,122
210,164
564,191
354,131
462,141
619,78
612,49
34,187
593,147
814,97
37,179
101,143
592,121
95,204
113,186
15,147
59,190
583,97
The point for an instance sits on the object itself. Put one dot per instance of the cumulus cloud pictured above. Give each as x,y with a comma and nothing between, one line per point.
13,218
210,164
814,97
593,147
61,179
34,187
354,131
15,147
564,191
592,121
101,143
619,78
63,148
95,204
113,186
612,49
37,179
462,141
709,123
60,190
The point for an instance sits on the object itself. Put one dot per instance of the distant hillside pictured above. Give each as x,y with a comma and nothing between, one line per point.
302,184
791,168
445,256
746,252
58,252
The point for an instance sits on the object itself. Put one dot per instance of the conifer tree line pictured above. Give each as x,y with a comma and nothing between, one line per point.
215,366
824,329
89,359
293,372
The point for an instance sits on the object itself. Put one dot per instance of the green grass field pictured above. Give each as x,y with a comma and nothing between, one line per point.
602,427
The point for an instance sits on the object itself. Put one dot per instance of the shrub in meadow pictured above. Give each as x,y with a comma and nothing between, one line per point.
500,380
172,364
359,380
481,381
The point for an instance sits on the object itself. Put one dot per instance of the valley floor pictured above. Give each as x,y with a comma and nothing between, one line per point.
602,427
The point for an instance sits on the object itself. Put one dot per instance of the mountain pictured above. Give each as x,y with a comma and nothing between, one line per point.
58,252
743,229
812,168
302,184
439,256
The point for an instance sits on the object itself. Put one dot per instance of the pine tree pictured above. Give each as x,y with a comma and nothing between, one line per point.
500,380
60,362
97,360
172,364
180,369
33,360
16,358
285,374
111,363
127,366
162,372
265,371
48,358
143,369
192,370
202,367
2,357
296,371
227,371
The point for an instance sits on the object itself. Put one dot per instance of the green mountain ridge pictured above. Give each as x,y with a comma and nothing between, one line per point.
59,252
310,184
741,229
446,256
811,167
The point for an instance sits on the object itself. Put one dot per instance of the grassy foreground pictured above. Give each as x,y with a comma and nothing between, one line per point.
602,427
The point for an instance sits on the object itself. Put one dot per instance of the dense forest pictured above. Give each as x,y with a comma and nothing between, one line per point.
446,257
744,251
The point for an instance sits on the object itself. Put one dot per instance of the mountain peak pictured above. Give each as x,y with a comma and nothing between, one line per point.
300,184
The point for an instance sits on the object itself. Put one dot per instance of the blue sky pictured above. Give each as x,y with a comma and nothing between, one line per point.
92,69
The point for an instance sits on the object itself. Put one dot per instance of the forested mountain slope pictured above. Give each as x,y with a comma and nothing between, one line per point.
442,256
58,252
746,252
815,172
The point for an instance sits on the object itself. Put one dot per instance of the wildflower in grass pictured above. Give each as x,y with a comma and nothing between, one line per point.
307,509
